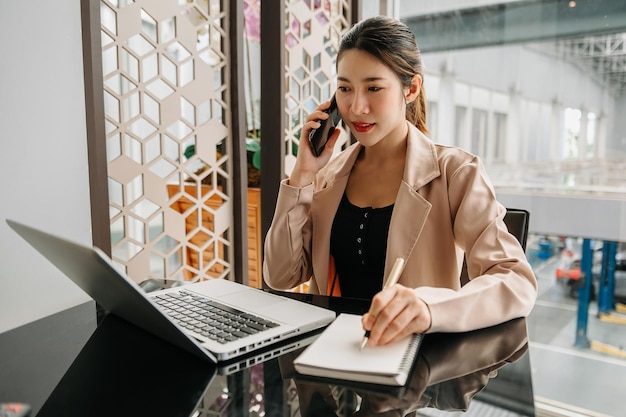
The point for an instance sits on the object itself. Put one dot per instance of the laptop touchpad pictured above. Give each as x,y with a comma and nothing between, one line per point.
251,299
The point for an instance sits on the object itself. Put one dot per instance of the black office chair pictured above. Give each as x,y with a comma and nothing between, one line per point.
516,221
517,390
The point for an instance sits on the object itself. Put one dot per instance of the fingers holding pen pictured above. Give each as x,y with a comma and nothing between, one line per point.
395,313
383,310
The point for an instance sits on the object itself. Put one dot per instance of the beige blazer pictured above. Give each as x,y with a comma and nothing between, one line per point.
446,206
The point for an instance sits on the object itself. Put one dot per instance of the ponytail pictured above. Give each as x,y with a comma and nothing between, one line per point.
416,111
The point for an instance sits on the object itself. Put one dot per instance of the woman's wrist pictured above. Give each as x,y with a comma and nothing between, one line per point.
301,179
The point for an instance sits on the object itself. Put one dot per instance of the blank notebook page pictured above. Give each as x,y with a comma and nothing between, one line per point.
338,349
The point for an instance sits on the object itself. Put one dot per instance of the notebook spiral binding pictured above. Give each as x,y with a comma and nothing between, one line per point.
409,354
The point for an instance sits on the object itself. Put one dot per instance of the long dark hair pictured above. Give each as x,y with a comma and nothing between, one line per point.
393,43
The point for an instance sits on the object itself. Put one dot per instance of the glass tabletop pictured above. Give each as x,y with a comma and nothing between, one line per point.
123,370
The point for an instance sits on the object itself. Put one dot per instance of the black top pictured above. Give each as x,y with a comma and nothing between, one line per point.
358,243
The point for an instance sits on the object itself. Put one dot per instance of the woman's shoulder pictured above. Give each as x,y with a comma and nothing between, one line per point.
451,153
430,160
425,144
453,161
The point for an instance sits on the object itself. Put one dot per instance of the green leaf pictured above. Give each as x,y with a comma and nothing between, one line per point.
253,145
256,159
190,151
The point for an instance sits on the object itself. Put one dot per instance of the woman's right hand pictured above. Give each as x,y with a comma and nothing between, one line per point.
307,164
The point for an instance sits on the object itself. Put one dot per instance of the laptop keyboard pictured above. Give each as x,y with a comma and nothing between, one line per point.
209,318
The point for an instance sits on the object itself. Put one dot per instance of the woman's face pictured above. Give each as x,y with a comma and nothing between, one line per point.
370,98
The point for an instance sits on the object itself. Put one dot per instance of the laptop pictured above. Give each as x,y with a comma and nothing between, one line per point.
215,319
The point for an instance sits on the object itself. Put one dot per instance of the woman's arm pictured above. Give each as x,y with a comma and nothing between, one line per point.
287,255
502,283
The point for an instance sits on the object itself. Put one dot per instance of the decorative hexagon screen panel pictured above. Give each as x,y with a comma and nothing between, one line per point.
165,67
313,30
168,140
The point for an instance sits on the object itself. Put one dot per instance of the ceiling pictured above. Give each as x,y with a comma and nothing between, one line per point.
604,56
589,33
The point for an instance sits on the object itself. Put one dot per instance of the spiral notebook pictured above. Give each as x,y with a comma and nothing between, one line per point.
336,354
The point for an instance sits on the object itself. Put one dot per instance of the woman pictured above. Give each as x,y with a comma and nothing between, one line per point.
395,194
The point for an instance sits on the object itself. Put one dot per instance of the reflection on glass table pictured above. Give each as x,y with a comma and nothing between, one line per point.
123,370
451,369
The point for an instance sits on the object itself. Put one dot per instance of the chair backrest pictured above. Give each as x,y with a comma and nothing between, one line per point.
516,221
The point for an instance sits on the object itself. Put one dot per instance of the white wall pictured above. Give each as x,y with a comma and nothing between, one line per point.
616,146
524,68
536,84
43,152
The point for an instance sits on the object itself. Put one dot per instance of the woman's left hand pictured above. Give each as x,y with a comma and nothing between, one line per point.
395,313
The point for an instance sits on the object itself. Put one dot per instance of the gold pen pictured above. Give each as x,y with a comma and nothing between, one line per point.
393,277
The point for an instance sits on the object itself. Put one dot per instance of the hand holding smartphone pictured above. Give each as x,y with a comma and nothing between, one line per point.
318,137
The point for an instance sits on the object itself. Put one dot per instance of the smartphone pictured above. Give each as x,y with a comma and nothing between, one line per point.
318,137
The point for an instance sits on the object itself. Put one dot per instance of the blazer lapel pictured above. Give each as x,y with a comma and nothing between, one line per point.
411,209
325,203
407,221
328,199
